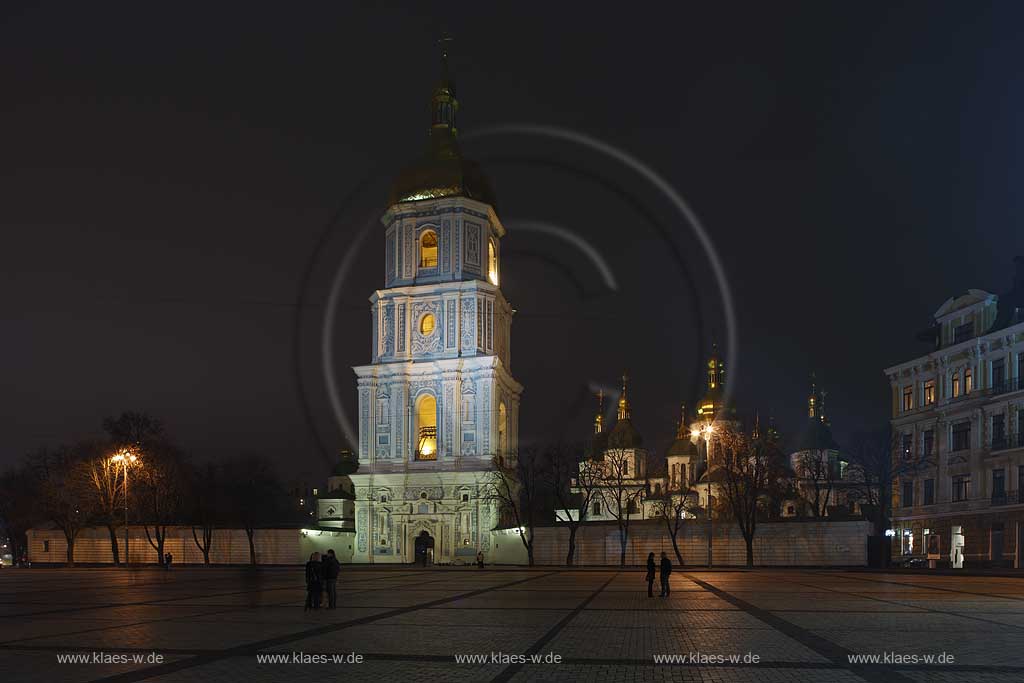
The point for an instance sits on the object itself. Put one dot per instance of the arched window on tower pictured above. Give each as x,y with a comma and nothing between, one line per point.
426,428
428,250
492,262
502,429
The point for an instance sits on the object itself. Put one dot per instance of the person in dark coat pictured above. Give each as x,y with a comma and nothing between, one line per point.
666,571
314,579
331,568
650,575
480,560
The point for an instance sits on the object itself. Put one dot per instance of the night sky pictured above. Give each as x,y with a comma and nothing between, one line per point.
170,177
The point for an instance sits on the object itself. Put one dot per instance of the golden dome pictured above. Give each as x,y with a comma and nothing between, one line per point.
442,171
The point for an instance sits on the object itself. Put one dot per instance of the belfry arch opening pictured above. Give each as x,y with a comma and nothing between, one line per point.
492,262
428,249
426,428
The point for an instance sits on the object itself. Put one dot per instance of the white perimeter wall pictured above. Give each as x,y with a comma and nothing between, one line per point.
229,546
838,544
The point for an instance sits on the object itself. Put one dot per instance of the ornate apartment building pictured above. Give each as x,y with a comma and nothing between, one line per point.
958,425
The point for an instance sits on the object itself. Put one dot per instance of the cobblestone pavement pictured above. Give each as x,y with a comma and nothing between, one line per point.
411,624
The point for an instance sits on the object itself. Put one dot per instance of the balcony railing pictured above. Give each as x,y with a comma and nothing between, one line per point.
1007,386
1008,498
1006,442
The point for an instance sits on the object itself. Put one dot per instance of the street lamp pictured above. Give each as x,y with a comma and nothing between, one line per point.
125,457
707,431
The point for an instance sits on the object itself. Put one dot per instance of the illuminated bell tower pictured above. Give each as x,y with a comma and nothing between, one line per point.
438,402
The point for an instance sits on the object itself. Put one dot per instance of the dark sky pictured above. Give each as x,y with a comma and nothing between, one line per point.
168,177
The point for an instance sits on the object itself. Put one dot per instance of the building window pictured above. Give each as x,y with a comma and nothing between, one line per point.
961,436
907,446
968,381
597,509
963,332
908,398
908,494
791,510
1020,483
428,250
929,392
465,497
929,492
316,492
427,325
383,497
998,431
928,443
999,485
46,546
492,262
956,384
999,374
961,489
426,428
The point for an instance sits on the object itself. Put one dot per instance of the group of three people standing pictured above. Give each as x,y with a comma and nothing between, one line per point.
666,571
322,575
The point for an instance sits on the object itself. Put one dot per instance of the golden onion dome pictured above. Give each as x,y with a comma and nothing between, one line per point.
442,171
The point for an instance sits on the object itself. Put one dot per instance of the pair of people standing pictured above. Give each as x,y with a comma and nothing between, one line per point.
666,571
322,575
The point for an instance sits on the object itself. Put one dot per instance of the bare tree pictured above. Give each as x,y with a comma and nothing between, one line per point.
162,485
65,497
671,509
748,467
255,495
619,487
573,483
107,487
816,471
206,507
19,506
515,484
877,459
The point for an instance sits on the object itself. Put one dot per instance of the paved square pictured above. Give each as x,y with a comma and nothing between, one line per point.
412,624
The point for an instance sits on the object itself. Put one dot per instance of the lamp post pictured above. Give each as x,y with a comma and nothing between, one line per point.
125,457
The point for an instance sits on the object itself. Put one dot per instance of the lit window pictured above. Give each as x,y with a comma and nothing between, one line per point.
316,492
428,250
426,428
427,325
492,263
956,385
968,381
908,398
929,392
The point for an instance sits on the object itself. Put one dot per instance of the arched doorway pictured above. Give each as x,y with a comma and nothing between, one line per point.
424,548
